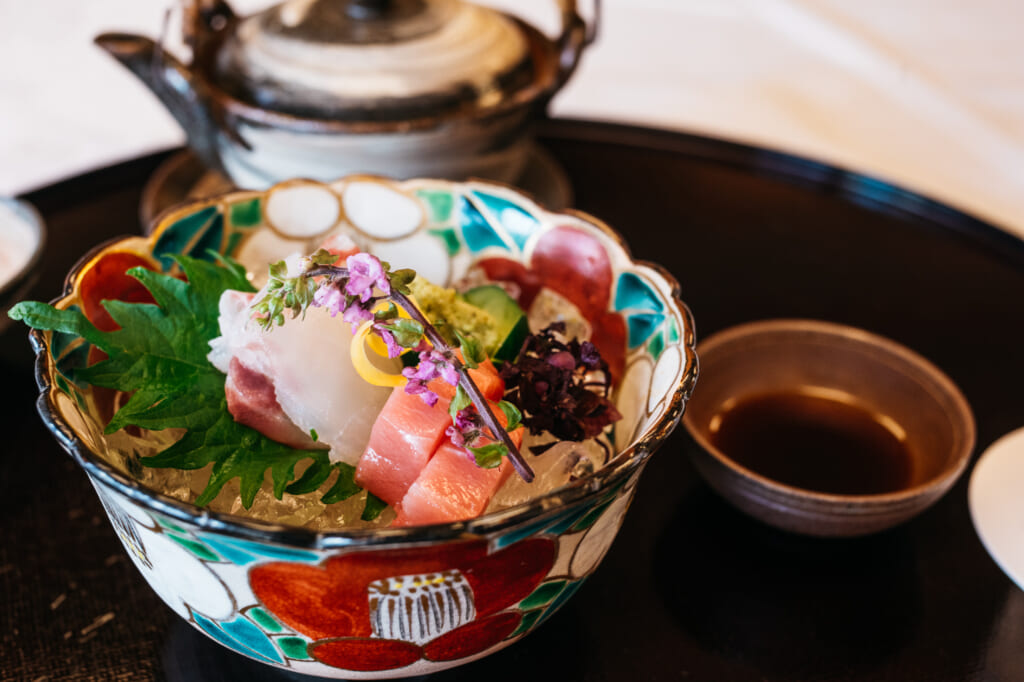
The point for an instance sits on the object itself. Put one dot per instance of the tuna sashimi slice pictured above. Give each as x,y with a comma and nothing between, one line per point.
407,432
405,435
486,378
452,487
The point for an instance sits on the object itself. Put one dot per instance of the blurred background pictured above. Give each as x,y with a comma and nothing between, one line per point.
926,93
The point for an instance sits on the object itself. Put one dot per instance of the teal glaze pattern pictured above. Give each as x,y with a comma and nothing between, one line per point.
633,293
478,233
516,222
241,636
439,204
640,327
211,239
246,214
178,237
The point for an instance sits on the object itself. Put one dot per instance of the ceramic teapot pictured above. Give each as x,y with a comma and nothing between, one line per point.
326,88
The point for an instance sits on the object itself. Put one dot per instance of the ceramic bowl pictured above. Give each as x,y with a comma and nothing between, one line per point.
298,599
24,239
865,369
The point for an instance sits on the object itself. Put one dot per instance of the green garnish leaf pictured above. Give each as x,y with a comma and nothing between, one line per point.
459,402
374,507
400,280
512,414
314,435
344,486
323,257
472,353
407,333
388,313
318,471
159,357
489,456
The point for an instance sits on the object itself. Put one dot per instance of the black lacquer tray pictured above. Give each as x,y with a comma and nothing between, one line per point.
691,590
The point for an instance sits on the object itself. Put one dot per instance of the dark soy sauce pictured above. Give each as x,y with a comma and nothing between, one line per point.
813,442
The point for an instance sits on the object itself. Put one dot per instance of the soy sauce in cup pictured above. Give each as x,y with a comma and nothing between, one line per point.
814,440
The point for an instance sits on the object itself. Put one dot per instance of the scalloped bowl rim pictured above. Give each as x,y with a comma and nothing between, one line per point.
620,465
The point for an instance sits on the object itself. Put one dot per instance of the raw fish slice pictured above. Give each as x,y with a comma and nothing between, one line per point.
405,435
342,246
452,487
309,365
251,401
486,378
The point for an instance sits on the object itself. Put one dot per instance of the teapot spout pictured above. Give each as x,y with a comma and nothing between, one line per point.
186,97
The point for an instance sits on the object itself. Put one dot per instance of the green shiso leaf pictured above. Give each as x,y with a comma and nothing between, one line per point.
159,356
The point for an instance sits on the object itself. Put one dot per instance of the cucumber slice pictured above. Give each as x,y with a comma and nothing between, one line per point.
511,320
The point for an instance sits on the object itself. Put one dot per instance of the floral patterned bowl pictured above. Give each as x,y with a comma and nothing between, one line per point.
379,603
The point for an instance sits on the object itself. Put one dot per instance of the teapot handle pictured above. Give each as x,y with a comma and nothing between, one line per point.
576,35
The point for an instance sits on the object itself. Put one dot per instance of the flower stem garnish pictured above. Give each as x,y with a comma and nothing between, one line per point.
367,290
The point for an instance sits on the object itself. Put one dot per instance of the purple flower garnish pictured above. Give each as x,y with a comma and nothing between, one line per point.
455,436
330,297
394,350
414,387
365,272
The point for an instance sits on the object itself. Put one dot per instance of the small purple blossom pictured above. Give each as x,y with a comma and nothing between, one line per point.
419,388
356,315
364,272
433,364
330,297
465,419
465,428
455,436
394,350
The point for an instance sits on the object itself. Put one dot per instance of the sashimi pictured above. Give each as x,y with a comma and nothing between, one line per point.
405,435
341,245
408,431
486,378
253,402
452,487
314,381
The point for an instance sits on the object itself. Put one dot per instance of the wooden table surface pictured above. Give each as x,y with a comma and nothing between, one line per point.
691,589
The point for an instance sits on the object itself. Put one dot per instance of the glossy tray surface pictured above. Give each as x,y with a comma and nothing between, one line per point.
691,589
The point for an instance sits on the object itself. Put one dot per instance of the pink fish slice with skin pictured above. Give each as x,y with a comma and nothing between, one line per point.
307,364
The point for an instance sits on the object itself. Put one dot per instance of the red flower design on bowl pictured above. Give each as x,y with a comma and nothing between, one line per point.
386,609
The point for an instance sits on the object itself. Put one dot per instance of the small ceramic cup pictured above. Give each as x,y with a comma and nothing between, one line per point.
885,378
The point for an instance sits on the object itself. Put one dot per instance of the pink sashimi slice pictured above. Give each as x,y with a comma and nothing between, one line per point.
486,378
253,402
452,487
405,435
341,245
408,431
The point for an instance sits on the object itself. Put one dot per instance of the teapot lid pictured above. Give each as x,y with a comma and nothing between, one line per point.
372,59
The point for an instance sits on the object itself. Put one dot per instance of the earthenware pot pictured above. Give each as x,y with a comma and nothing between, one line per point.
325,88
315,602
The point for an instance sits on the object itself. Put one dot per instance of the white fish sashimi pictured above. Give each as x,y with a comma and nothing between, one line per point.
309,364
